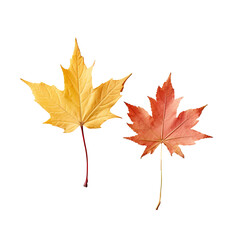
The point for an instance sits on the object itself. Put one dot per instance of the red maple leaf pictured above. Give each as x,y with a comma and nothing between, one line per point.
164,127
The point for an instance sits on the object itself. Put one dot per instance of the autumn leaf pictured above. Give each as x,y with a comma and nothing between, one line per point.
163,127
79,104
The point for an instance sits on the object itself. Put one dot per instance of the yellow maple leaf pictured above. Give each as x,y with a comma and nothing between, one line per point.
79,104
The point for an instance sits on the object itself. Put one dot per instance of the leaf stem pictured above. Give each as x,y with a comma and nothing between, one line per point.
86,181
159,202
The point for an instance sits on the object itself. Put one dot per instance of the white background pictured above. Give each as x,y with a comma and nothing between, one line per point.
42,170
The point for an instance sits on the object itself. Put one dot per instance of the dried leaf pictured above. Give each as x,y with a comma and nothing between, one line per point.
79,104
164,127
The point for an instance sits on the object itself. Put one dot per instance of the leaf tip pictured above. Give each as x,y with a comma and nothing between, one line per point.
201,108
76,48
169,78
124,80
207,136
127,104
76,41
24,81
47,122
